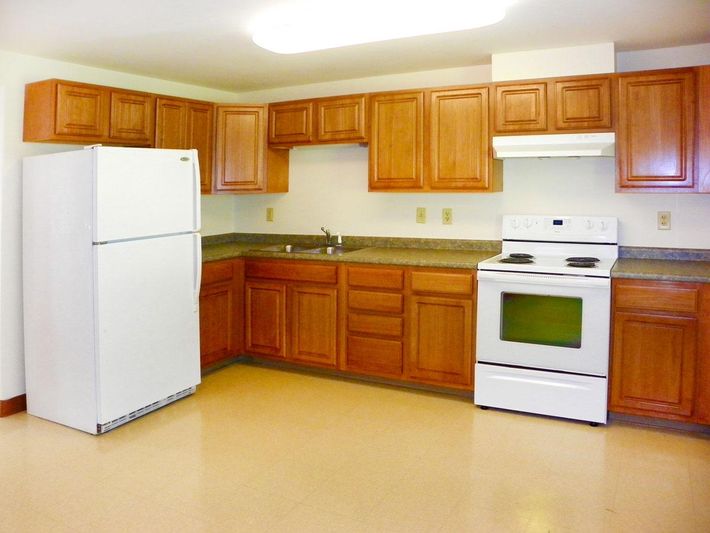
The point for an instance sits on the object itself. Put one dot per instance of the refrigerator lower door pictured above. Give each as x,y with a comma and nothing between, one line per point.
142,192
147,324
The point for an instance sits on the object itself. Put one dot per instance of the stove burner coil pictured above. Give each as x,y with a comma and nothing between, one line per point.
582,264
582,259
517,260
520,256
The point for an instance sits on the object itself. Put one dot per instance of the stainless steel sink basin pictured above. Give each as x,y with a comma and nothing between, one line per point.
284,248
329,250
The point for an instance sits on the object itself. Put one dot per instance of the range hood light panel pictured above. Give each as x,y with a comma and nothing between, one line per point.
556,145
308,25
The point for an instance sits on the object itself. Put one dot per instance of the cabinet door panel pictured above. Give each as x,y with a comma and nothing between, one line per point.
199,134
341,119
702,401
655,133
374,356
458,139
521,108
171,123
397,141
265,320
441,341
239,154
583,104
132,118
216,325
313,317
653,364
291,123
82,111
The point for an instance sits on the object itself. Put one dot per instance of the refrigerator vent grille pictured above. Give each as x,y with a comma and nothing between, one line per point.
108,426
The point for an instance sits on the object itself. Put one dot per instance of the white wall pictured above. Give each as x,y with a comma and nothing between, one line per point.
328,184
15,71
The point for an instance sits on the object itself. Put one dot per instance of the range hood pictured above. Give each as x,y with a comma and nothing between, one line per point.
557,145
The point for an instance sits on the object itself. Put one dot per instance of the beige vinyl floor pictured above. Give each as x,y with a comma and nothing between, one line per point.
259,449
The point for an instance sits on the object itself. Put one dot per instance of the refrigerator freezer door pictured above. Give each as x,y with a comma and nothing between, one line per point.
146,321
142,192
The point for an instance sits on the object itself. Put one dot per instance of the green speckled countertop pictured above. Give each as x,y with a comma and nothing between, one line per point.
662,269
405,252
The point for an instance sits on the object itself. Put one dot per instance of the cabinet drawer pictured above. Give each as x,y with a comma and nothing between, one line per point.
376,278
657,296
388,326
217,271
375,355
443,282
376,301
290,271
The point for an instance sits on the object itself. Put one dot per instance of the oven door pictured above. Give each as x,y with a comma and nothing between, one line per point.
544,321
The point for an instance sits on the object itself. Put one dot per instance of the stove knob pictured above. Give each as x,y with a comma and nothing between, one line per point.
515,223
590,224
527,223
603,225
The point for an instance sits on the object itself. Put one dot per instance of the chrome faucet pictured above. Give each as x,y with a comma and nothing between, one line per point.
327,235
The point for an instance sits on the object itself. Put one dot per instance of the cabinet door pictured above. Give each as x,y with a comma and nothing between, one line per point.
702,400
221,311
82,111
239,153
132,119
583,104
655,131
653,365
265,318
459,152
291,123
396,141
171,123
441,343
521,108
313,324
341,119
200,136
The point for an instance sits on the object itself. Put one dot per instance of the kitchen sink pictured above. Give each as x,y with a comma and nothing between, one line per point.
329,250
300,249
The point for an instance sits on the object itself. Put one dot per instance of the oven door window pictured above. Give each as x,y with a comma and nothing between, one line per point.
540,319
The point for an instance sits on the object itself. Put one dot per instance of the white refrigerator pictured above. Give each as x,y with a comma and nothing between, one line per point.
111,279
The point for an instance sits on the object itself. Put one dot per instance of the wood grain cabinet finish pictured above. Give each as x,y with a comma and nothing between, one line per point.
396,157
243,162
703,152
582,104
187,124
661,350
221,311
80,113
656,132
459,145
291,123
291,311
521,108
341,119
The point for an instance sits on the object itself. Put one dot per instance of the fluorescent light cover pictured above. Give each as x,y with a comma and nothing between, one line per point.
307,25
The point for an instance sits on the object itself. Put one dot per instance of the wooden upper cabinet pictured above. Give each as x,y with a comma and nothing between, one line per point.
582,104
132,118
341,119
291,123
656,131
521,108
459,146
187,124
703,167
243,163
397,141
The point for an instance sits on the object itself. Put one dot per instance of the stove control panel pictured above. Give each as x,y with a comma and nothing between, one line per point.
560,228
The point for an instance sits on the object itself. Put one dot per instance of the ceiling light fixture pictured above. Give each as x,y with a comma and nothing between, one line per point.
308,25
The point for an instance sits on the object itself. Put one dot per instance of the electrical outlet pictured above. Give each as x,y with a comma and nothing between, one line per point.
269,214
664,220
421,215
447,216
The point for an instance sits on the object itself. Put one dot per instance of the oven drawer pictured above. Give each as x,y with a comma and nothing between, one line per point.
656,296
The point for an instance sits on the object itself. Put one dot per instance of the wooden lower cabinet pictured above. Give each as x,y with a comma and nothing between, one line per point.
221,311
660,361
441,345
313,324
265,320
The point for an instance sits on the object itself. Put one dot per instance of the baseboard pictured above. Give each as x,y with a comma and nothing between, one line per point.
13,405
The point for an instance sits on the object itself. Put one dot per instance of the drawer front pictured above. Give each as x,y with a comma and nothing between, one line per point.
217,271
375,355
443,282
388,326
657,296
379,302
376,278
291,271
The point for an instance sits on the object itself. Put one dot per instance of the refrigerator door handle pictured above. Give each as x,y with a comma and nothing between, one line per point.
197,255
197,190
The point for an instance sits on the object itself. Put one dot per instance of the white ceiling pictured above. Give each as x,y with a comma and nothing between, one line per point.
206,42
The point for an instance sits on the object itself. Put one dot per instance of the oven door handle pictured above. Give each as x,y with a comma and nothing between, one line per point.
543,279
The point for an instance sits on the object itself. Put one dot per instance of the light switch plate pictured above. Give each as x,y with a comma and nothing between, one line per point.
421,215
269,214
